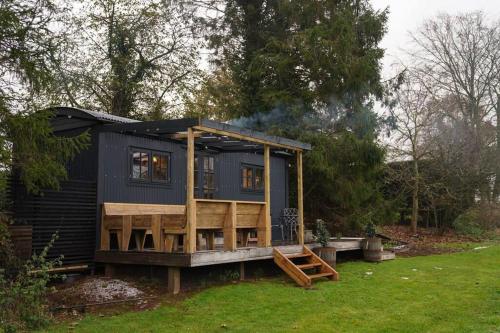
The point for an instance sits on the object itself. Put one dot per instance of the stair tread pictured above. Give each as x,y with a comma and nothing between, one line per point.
298,255
312,265
320,275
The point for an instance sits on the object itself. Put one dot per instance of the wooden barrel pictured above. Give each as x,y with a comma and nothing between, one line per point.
328,254
372,249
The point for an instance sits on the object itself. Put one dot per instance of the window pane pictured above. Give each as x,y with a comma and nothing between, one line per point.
211,163
160,167
136,165
208,181
140,165
144,166
246,178
259,179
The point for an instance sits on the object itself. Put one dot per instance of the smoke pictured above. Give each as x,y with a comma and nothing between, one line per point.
327,117
278,117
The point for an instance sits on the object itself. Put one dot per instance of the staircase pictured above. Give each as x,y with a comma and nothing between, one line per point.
304,267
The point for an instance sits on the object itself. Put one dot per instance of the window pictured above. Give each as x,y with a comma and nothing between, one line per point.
252,178
149,166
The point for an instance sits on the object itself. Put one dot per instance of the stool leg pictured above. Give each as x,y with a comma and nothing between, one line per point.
169,243
244,237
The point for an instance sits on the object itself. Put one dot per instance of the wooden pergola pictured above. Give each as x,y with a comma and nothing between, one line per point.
264,227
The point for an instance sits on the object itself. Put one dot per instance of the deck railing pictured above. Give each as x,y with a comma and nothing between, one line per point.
168,225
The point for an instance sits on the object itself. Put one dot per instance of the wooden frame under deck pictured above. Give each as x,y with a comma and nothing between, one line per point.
171,225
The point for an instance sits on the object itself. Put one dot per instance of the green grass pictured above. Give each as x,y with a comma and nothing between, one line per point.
443,293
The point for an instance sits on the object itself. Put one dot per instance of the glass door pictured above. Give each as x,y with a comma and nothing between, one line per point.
204,176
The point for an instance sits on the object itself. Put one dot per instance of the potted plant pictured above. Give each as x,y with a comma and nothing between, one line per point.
372,249
325,252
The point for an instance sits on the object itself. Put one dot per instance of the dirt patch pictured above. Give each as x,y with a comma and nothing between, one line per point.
427,241
104,296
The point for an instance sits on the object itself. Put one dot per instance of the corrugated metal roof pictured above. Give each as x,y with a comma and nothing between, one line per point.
101,116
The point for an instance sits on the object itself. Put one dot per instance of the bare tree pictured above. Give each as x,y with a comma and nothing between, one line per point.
412,117
457,58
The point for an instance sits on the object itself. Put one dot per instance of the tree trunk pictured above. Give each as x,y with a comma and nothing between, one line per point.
496,187
434,210
414,213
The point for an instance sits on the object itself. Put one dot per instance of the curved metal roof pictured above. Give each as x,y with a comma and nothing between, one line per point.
87,114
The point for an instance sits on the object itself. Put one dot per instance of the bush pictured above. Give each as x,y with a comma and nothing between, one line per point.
478,221
321,234
23,286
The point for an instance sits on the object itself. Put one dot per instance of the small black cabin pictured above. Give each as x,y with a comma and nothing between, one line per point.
139,172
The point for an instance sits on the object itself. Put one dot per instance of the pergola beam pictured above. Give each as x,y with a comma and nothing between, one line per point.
244,137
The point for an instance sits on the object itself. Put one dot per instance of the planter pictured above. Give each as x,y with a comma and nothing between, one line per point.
372,249
327,254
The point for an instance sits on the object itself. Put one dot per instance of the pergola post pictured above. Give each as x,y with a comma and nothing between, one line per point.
190,244
267,195
300,202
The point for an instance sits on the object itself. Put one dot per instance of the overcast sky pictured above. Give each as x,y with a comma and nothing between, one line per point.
408,15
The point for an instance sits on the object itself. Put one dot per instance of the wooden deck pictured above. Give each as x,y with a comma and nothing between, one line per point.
214,257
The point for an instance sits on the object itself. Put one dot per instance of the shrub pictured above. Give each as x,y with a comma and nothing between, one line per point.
478,221
321,234
23,286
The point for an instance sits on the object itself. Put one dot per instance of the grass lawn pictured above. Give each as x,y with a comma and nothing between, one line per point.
442,293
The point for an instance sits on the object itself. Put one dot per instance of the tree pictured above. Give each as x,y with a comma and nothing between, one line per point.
308,70
130,58
302,56
457,57
27,49
413,118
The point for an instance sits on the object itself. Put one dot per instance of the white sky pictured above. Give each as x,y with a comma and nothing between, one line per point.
408,15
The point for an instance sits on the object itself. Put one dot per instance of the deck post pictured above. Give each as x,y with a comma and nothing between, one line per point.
190,246
242,271
174,280
109,270
230,228
266,228
300,202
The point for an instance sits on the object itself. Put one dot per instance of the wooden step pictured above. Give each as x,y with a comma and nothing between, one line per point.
320,275
308,266
298,255
296,271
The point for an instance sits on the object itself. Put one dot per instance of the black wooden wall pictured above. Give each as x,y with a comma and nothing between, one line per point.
69,212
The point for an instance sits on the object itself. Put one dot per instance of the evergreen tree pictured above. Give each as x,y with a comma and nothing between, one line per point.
308,70
27,48
310,54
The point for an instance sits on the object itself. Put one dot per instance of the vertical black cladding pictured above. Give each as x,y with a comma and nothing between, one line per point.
70,212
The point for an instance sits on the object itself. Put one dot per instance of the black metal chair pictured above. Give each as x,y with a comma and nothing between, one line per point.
288,223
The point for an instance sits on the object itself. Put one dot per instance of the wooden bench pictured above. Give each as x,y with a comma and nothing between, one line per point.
165,223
